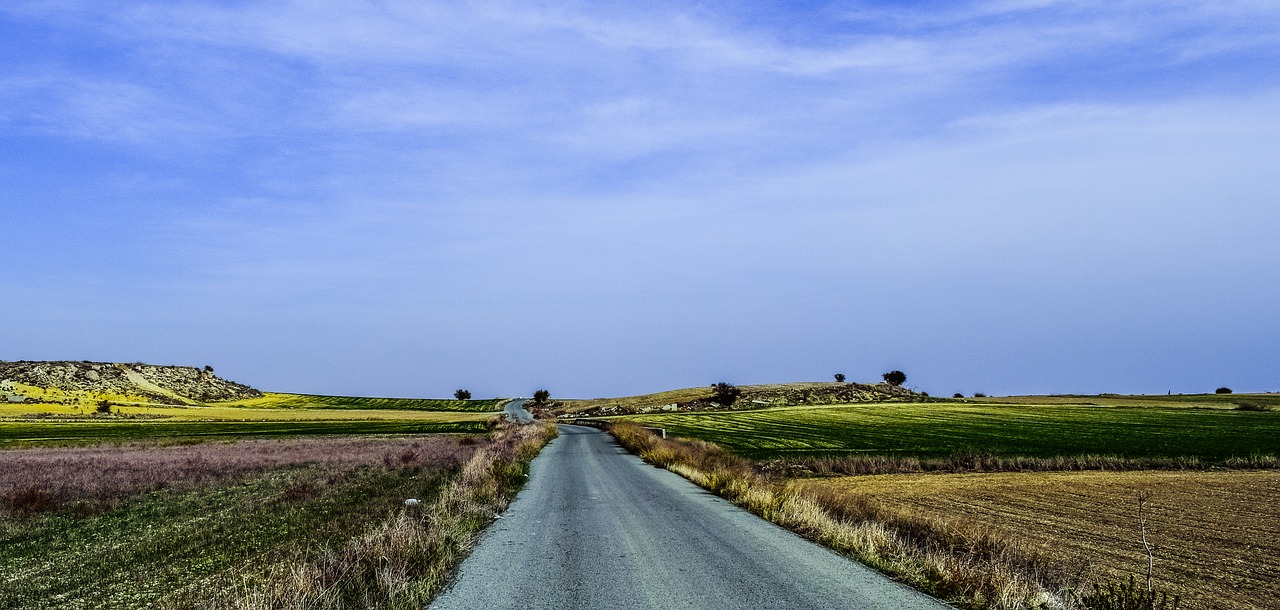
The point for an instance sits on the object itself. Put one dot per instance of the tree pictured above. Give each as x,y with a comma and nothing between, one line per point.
895,378
1222,391
462,395
957,395
839,377
208,369
726,394
541,396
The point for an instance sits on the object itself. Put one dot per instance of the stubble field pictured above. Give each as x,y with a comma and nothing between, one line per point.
1215,535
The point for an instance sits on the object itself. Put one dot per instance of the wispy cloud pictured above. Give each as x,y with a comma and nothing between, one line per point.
506,168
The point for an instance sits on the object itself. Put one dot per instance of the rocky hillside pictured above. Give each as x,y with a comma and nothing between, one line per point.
166,384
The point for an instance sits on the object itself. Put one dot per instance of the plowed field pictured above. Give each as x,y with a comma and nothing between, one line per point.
1216,534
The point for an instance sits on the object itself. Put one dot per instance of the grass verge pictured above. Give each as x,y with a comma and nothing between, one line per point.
964,562
405,560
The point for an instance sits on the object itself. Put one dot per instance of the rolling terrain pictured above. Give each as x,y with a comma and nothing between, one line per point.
941,428
86,402
952,492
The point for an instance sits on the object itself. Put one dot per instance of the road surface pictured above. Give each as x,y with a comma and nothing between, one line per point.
598,528
515,411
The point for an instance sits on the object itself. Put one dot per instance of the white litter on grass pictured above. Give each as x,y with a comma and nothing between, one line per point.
412,502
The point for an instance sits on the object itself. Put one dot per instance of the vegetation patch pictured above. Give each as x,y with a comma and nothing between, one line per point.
1215,535
944,429
275,400
45,432
241,524
723,396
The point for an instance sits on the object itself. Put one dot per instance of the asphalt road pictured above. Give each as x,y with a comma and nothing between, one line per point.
598,528
516,412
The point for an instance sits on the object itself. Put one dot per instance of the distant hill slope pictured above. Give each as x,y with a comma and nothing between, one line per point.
165,384
752,397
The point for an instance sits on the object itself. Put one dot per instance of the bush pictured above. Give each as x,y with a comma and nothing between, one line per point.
957,395
1252,406
895,378
839,377
979,395
541,397
726,394
462,395
1130,596
104,406
1222,390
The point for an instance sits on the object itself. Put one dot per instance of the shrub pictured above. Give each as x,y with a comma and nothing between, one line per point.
957,395
541,396
1222,390
979,395
1126,596
839,377
726,394
895,378
104,406
1252,406
462,395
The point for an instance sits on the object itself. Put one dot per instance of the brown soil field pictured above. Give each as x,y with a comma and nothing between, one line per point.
1216,535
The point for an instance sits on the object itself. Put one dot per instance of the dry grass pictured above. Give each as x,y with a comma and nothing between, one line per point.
962,561
404,561
91,479
1216,534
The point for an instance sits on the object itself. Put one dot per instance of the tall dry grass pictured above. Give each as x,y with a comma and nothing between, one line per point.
959,560
405,560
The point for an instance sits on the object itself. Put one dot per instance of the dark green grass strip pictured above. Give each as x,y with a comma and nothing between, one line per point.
168,542
42,433
314,401
940,429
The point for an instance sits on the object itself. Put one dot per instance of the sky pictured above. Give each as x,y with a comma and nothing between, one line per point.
404,198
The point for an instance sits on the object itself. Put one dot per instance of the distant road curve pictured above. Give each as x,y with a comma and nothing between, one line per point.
598,528
516,412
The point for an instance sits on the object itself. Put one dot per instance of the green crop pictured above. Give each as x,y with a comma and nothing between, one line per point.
946,428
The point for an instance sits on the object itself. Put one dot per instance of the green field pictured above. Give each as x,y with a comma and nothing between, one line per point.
22,433
166,545
938,429
274,400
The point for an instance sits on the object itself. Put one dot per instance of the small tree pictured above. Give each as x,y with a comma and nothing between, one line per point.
839,377
726,394
1222,391
895,378
208,369
541,396
957,395
462,395
104,406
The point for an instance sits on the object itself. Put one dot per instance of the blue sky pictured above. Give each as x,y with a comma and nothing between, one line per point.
603,198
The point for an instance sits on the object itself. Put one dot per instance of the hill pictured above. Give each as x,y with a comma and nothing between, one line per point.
57,381
752,397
